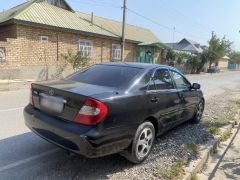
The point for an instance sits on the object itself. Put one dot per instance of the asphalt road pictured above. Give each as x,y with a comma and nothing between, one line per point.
23,155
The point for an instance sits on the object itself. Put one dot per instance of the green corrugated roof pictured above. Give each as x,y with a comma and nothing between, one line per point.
154,44
131,32
46,14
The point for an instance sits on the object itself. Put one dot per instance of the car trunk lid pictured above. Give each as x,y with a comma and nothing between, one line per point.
64,98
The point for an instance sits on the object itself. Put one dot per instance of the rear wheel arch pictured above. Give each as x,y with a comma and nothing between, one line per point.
202,99
154,121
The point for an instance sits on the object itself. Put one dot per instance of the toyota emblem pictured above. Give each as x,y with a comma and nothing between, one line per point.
51,92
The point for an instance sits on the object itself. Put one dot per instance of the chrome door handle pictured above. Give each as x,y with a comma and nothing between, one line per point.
155,100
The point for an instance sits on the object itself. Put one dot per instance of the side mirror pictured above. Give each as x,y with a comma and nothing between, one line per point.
196,86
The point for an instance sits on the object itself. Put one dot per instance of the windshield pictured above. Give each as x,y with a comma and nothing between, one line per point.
107,75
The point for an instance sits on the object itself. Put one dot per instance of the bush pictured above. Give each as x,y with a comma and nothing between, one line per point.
77,61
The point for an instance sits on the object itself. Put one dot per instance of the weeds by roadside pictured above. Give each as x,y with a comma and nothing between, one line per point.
225,136
191,148
214,130
194,176
229,113
176,170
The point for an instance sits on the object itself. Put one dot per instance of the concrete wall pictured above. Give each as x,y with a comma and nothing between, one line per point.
223,64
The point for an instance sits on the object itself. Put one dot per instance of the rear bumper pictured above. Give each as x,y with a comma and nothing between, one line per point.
84,140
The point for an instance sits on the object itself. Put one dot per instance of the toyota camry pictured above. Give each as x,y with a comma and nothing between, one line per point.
113,108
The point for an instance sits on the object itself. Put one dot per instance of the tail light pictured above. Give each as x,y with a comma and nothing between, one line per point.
91,113
31,97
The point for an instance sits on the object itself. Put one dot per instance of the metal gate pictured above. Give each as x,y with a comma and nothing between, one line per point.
145,54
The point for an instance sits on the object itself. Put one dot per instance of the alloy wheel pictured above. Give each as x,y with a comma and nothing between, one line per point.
199,112
144,142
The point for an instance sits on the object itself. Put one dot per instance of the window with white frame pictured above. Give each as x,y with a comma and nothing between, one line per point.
44,38
86,48
116,51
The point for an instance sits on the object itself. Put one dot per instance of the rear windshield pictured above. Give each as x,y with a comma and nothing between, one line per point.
107,75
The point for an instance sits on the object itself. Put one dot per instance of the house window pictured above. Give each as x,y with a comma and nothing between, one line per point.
44,38
86,48
2,54
116,51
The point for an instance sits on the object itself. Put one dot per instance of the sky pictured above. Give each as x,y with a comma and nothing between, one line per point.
192,19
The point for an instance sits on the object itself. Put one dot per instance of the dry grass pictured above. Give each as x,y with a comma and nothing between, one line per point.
214,130
225,136
191,148
176,170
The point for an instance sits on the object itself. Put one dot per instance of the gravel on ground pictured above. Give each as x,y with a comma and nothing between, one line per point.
181,142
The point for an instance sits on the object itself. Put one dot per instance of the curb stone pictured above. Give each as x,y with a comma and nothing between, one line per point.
205,152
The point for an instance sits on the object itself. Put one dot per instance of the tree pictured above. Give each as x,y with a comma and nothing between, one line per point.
193,62
204,59
182,57
234,57
217,48
77,61
171,56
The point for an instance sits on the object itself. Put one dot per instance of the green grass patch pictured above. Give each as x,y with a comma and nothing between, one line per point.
234,109
191,148
235,103
194,176
176,170
225,136
214,130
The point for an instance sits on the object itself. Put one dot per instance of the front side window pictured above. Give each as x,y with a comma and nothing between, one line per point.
116,51
86,48
180,81
163,80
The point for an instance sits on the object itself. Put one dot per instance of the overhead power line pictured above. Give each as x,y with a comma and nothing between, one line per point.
178,12
107,4
164,26
151,20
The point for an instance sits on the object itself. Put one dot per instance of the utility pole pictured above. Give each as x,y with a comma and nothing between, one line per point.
173,37
123,30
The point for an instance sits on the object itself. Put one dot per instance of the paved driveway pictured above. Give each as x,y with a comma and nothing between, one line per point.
24,155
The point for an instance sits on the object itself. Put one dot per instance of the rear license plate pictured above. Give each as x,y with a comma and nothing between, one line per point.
52,103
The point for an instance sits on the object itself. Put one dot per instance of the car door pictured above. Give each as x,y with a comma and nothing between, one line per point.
187,96
163,98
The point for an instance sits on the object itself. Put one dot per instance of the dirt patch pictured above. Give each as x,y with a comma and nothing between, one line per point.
11,86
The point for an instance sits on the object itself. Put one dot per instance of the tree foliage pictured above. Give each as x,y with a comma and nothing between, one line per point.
77,61
217,48
234,57
171,55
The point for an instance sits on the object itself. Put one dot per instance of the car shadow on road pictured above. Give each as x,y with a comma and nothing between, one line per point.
167,149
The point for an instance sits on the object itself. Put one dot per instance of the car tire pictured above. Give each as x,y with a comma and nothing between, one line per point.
199,112
142,143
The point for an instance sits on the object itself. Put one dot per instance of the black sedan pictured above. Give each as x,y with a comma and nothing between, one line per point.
112,108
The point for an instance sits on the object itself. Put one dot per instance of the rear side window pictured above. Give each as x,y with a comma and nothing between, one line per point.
107,75
163,80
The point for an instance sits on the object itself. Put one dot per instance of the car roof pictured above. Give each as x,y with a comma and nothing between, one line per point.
136,65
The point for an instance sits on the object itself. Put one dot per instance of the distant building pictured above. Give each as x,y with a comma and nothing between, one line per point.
187,46
223,62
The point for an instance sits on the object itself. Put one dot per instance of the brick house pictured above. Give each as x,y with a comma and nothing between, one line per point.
34,36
